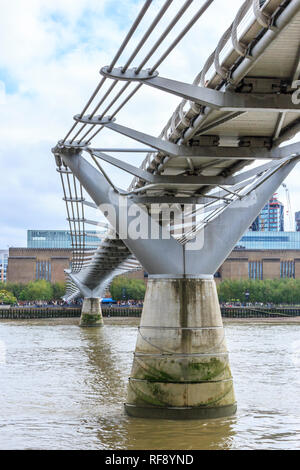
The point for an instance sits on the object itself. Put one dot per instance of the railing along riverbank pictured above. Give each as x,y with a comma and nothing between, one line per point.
15,313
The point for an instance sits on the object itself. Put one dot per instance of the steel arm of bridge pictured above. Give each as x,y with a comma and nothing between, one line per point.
158,256
186,179
92,285
220,100
162,179
223,233
84,289
174,150
167,256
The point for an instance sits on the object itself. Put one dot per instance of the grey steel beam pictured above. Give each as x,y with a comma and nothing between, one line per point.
215,99
133,170
174,150
279,124
124,150
87,221
90,204
172,199
163,179
288,132
220,235
223,233
258,47
150,252
256,171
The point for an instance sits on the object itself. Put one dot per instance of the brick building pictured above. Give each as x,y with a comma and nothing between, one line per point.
32,264
260,264
253,264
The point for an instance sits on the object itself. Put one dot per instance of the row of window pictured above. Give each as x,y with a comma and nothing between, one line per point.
43,270
287,269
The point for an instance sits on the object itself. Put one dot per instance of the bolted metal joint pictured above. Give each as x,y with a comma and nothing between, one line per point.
130,74
93,120
70,148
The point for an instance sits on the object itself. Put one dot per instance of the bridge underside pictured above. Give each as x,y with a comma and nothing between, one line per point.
238,111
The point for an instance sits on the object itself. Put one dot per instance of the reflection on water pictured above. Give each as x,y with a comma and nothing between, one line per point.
63,387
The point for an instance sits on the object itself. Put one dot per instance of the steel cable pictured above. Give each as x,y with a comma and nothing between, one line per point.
117,56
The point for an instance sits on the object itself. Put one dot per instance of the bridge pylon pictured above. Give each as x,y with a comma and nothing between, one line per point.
181,366
91,313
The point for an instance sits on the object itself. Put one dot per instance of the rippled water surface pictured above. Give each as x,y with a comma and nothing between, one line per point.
63,387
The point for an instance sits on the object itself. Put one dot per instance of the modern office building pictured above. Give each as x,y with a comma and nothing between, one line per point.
269,241
3,265
60,238
271,217
297,221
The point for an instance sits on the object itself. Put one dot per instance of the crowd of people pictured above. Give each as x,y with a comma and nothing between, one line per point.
76,303
129,303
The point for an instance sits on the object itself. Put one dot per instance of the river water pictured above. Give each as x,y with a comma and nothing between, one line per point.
63,387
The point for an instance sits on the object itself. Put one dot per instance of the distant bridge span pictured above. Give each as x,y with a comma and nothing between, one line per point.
239,109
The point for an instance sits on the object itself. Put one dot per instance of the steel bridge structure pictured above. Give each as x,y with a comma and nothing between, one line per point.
202,182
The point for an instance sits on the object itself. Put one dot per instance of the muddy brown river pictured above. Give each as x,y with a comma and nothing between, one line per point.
63,387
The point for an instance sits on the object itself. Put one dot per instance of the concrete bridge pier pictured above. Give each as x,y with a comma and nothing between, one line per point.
181,368
91,314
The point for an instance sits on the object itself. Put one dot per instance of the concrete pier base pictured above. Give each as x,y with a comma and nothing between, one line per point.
181,368
91,314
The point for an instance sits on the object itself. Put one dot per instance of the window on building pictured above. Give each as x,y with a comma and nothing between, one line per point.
43,270
255,269
287,269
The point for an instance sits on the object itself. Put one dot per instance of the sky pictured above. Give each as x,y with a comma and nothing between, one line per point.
50,57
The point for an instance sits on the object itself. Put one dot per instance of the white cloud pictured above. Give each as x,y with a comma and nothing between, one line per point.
2,93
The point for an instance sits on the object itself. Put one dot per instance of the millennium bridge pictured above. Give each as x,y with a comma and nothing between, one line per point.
202,182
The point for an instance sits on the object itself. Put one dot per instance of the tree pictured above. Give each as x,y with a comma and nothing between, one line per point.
35,290
7,298
59,289
38,290
123,288
275,291
14,288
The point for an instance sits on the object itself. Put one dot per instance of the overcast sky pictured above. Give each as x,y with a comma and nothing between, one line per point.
50,57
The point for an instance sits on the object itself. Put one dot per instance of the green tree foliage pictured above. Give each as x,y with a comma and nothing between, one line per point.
58,289
14,288
275,291
123,288
7,298
37,290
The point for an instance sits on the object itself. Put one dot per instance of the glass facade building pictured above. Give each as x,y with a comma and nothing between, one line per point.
60,238
269,241
297,221
3,265
271,217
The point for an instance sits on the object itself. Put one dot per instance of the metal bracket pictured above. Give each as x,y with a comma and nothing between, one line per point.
220,100
68,144
163,179
93,120
174,150
117,74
